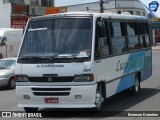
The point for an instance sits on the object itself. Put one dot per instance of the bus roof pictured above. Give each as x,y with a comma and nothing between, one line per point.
9,29
106,15
3,30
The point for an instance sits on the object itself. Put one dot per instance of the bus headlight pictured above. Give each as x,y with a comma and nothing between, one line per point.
84,78
21,78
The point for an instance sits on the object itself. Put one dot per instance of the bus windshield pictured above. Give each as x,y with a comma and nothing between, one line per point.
58,38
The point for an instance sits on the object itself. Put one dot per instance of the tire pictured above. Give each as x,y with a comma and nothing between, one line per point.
11,83
29,109
136,88
99,99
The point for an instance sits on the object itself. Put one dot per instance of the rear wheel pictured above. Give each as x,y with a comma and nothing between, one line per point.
11,83
29,109
136,88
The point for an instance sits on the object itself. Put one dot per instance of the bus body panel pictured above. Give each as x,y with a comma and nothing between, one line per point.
146,73
87,93
118,66
119,72
57,69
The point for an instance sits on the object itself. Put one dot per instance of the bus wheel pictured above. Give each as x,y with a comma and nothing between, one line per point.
29,109
99,98
135,89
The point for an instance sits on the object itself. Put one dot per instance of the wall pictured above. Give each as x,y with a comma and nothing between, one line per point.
5,12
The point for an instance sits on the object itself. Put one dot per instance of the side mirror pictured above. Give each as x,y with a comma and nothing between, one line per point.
2,42
24,27
4,39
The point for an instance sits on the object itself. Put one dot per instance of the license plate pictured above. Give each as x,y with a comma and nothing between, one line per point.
51,100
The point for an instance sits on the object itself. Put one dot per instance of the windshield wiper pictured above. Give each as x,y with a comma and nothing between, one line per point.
55,58
36,58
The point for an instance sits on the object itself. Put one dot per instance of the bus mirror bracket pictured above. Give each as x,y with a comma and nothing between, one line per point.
3,41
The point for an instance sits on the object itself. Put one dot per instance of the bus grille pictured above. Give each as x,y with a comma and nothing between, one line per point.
51,91
51,79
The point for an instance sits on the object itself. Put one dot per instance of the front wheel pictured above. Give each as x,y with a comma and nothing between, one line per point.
29,109
99,98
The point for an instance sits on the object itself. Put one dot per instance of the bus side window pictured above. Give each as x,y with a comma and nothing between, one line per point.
117,33
1,56
144,35
132,32
101,44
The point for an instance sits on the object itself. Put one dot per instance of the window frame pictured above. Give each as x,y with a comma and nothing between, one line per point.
123,35
136,34
145,34
106,32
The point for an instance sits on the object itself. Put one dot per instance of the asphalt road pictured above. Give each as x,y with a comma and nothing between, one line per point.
148,99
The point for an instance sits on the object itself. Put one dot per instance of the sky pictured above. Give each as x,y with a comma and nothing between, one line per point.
59,3
146,2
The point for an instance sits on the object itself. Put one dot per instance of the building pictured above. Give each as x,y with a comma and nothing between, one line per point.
134,7
17,12
5,11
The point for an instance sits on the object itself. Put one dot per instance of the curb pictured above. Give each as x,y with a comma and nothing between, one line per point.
155,46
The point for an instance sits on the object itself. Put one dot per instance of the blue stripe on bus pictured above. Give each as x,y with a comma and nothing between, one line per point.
135,60
146,73
125,82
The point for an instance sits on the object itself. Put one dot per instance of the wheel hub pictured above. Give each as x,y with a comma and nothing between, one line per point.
99,100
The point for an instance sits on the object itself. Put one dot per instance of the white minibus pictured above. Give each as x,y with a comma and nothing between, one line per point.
77,60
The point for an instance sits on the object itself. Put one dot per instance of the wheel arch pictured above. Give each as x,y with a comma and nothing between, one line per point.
103,88
138,75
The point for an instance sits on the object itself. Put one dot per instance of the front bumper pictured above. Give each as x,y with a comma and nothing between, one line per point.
37,98
3,82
